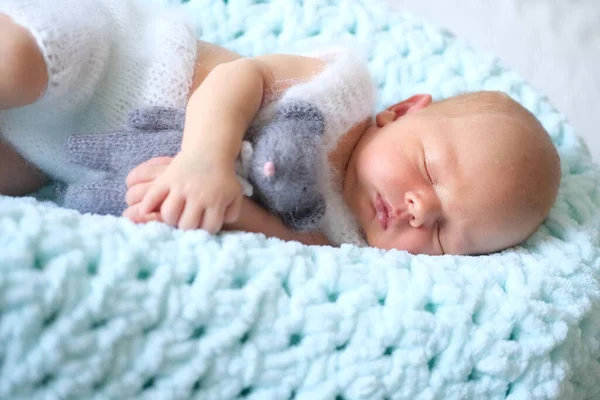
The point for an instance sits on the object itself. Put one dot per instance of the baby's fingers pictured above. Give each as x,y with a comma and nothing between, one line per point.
154,198
133,213
172,208
192,215
147,171
212,220
136,193
233,211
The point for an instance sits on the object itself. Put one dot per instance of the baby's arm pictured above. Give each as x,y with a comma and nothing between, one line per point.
23,74
252,218
230,96
199,189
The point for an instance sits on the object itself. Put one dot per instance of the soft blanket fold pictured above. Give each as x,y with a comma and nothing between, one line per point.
97,307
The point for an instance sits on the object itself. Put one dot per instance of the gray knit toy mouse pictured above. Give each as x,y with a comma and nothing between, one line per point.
282,169
285,164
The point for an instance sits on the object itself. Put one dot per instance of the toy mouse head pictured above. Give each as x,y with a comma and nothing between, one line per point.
286,165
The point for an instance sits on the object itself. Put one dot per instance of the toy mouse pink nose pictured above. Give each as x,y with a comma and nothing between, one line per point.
269,168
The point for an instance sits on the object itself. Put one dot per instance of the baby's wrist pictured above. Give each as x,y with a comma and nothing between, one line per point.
214,159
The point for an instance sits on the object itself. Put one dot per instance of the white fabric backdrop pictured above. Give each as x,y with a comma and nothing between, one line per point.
554,44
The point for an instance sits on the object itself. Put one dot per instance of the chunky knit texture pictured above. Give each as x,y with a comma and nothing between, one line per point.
97,307
96,52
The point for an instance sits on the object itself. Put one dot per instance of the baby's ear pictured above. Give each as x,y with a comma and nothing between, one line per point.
412,104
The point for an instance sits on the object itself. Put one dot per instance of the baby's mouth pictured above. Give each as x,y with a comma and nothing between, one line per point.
382,212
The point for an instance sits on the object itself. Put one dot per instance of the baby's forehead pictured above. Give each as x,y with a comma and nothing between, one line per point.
483,150
494,131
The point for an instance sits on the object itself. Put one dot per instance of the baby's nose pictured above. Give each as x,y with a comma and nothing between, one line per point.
423,208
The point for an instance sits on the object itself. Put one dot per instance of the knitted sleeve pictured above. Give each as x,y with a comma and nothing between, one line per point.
74,39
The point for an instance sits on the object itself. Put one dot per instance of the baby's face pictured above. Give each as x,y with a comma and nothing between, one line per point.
435,185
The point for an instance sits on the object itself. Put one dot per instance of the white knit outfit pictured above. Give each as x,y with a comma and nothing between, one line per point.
104,59
344,92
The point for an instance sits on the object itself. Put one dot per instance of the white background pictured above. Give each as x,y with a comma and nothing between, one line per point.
553,44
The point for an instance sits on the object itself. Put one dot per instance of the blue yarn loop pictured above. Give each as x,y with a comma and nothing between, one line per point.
97,307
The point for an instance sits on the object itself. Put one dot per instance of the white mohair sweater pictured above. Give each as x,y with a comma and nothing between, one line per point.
104,59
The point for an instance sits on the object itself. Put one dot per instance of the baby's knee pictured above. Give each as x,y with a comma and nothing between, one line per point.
23,73
17,176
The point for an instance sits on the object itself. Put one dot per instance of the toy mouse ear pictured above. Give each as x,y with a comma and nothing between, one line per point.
156,119
301,117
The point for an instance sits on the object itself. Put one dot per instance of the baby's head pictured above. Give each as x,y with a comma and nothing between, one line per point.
472,174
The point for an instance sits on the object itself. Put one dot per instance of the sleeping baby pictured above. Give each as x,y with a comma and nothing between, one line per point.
472,174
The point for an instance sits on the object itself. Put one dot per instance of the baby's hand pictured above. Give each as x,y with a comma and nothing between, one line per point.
187,192
138,182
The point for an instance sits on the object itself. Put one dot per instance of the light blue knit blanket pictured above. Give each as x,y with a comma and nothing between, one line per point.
96,307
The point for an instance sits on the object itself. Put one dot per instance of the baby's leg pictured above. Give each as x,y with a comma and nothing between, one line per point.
23,78
23,74
17,176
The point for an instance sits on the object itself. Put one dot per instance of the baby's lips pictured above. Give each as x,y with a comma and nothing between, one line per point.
382,212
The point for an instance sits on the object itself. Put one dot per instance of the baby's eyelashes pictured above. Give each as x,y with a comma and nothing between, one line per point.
428,170
428,174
